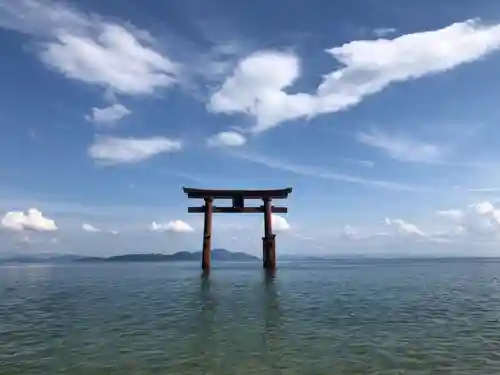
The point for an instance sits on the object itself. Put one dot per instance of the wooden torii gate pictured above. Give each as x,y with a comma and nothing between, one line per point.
238,206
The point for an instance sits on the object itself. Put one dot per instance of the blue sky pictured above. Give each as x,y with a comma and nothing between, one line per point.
382,116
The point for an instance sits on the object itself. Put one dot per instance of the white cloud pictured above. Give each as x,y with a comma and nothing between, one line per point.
177,226
32,220
108,115
402,148
404,228
257,86
87,48
279,223
256,89
90,228
114,150
231,139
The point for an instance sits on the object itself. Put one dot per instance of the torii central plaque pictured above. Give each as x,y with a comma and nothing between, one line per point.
238,206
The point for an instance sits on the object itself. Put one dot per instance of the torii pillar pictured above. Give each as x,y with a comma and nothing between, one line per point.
207,235
269,239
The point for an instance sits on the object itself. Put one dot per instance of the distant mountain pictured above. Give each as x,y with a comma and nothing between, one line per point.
217,255
220,255
225,255
41,258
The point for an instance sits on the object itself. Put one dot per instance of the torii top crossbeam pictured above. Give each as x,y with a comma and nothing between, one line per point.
230,194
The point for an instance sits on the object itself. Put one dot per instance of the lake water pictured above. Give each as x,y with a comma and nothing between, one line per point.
348,317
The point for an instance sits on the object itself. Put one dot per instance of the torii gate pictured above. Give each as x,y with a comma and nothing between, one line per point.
238,206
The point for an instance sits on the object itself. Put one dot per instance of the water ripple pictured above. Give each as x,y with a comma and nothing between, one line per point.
408,318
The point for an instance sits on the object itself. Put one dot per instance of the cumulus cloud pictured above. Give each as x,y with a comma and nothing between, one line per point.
86,48
279,223
115,150
109,115
472,224
90,228
479,219
231,139
177,226
32,220
402,148
349,232
258,85
400,232
475,223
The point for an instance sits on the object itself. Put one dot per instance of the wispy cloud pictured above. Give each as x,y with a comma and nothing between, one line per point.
364,163
410,149
402,148
321,172
404,228
384,31
484,190
188,176
115,150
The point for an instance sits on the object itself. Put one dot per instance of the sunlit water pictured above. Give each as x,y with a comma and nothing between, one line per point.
384,317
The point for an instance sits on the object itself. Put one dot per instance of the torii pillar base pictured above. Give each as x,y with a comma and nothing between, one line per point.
269,252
